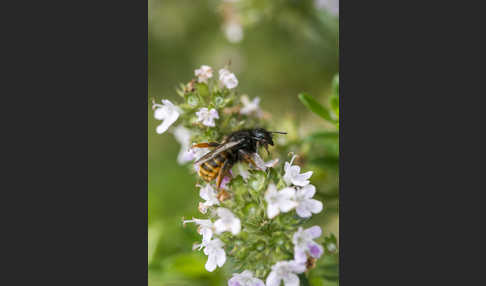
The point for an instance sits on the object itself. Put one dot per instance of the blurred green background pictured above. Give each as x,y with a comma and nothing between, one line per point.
292,48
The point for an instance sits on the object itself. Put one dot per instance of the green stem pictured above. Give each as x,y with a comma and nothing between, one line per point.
304,280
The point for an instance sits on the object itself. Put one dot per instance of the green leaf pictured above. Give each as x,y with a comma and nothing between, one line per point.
315,106
334,98
203,90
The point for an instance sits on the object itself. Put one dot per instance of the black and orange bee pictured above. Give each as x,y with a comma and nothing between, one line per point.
238,146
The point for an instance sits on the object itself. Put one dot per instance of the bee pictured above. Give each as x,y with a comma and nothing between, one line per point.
238,146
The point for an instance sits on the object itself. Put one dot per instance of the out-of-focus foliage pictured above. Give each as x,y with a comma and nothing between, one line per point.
293,49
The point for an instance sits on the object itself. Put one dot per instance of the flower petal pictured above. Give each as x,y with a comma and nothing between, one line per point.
302,211
302,179
211,263
313,232
287,193
160,113
184,156
224,213
162,127
315,250
272,210
287,205
273,279
271,191
220,257
291,280
234,282
236,227
259,161
271,163
308,191
207,234
219,226
314,206
297,267
299,254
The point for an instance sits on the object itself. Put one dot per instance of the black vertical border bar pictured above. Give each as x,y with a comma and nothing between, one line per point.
76,74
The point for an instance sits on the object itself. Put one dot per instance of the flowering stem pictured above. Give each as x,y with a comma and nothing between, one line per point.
260,226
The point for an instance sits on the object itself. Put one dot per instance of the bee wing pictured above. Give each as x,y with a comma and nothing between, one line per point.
216,151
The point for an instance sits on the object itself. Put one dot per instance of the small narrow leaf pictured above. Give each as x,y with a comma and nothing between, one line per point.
315,106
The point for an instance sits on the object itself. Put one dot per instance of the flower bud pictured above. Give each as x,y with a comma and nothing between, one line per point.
192,100
250,210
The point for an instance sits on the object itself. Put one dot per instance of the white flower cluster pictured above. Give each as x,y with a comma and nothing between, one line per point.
278,201
298,194
207,116
169,113
228,78
227,221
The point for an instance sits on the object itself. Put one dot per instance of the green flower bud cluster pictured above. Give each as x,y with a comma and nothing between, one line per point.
262,242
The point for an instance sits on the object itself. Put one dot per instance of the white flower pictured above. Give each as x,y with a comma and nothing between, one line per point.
206,229
207,116
285,271
227,78
210,196
183,136
233,32
204,73
167,112
262,165
306,204
279,201
250,106
227,222
245,278
292,174
304,244
215,252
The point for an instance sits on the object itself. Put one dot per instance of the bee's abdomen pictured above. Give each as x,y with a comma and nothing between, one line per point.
209,169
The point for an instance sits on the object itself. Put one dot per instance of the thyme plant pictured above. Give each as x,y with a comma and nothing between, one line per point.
260,226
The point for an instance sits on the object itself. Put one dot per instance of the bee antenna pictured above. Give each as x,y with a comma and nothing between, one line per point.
279,132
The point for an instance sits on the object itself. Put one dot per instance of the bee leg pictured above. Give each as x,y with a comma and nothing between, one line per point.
222,194
205,145
266,148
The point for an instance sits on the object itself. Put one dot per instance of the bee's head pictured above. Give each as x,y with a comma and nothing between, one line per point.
263,136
